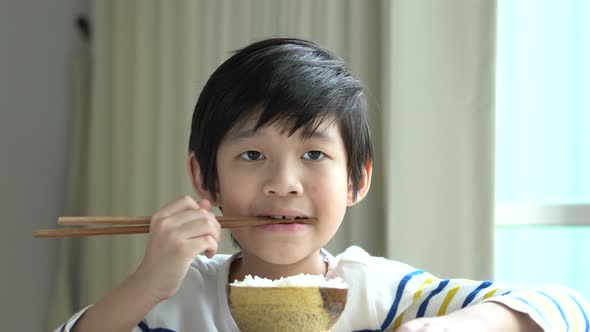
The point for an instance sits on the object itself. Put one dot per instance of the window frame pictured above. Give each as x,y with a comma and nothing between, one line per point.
542,215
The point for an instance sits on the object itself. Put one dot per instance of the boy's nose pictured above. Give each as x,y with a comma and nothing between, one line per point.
283,181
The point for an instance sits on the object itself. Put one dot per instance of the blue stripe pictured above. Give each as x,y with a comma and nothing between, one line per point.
398,297
473,294
583,313
63,327
532,306
424,304
145,328
560,311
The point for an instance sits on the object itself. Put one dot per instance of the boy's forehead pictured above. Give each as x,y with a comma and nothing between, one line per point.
248,128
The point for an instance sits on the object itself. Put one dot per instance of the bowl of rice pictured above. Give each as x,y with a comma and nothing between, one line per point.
298,303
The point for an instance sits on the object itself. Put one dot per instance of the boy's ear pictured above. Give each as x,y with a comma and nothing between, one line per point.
364,184
194,171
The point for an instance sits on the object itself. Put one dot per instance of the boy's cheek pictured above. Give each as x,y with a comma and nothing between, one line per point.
231,179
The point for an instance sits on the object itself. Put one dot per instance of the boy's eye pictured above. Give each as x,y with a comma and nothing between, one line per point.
313,155
252,155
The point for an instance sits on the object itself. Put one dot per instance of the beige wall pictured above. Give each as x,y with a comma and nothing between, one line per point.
37,39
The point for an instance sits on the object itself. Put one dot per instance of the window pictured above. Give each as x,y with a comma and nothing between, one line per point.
543,143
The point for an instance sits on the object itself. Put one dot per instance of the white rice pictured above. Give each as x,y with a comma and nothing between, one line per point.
300,280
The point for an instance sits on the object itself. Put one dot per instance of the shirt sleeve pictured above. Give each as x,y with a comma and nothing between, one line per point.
420,294
69,324
553,308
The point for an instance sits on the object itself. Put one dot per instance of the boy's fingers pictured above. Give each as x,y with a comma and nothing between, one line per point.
192,230
205,244
204,203
212,249
181,204
189,224
422,325
210,253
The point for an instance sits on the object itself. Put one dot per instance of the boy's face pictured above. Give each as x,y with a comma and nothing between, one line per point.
267,173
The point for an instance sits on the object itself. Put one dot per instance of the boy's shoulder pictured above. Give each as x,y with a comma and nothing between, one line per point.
372,283
356,265
356,257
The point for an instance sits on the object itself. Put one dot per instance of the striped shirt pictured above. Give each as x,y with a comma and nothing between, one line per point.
383,294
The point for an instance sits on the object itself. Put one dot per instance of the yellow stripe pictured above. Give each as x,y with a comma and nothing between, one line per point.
445,304
544,304
447,300
419,291
490,294
398,321
517,305
522,307
567,302
417,294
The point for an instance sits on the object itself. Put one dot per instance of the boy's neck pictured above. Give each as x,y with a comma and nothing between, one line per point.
249,264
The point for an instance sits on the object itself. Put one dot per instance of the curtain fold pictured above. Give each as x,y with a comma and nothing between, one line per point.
439,128
427,68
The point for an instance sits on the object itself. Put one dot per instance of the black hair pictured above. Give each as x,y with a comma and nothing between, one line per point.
291,82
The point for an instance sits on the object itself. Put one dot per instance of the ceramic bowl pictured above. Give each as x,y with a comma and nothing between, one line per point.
259,309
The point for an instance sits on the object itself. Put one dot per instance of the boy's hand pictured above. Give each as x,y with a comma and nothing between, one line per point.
178,233
434,324
481,317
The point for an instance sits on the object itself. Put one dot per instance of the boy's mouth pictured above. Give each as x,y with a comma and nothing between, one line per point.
291,218
287,215
289,223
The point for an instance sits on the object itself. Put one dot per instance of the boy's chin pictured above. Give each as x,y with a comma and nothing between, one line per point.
283,259
283,256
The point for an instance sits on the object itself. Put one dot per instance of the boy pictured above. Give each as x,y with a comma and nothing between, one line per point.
280,129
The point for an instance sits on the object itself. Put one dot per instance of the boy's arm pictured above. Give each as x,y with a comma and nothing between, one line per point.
465,304
178,233
125,306
487,316
416,294
388,294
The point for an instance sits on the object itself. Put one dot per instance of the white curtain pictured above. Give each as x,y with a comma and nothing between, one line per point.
427,67
438,120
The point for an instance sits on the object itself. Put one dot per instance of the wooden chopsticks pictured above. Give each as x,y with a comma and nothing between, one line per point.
74,232
141,225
